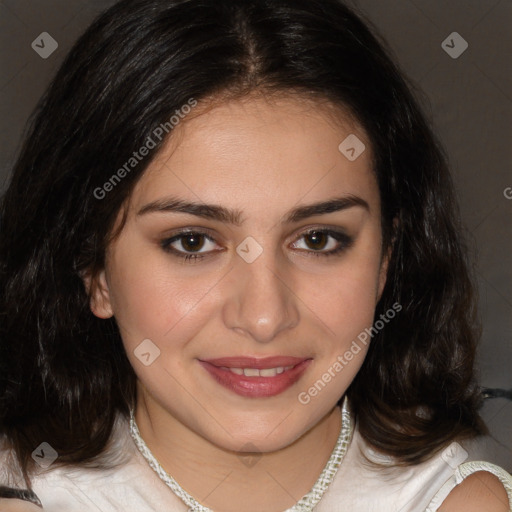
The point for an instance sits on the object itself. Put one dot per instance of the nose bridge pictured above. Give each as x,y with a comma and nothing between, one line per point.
261,303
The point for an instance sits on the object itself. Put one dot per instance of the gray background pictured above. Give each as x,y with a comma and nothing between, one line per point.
468,100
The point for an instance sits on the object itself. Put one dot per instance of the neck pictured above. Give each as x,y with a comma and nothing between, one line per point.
224,480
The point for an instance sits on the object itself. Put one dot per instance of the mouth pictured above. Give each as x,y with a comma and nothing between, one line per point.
253,377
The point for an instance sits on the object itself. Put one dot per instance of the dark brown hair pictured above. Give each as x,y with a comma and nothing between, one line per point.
64,375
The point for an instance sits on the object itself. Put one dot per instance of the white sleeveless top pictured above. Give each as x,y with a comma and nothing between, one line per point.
133,486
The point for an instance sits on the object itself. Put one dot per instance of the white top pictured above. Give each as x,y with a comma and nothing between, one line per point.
133,486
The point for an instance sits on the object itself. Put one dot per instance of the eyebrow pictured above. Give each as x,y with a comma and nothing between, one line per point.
226,215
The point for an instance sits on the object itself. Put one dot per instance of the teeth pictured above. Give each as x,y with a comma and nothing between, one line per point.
268,372
255,372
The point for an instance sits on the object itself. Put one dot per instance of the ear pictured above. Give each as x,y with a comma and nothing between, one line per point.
386,257
383,273
98,290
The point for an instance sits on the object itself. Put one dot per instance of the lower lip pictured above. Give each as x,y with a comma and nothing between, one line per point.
257,387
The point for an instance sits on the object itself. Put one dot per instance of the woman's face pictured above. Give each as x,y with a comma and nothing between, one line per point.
246,180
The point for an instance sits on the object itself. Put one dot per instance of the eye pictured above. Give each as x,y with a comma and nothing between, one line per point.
325,242
197,245
189,244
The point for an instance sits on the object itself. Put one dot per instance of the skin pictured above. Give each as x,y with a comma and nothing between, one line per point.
262,157
479,491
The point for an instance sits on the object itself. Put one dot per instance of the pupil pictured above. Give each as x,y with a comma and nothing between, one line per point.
318,240
192,242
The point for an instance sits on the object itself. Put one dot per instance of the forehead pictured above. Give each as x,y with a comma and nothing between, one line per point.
263,153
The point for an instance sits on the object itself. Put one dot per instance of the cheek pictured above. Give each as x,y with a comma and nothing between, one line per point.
153,298
346,298
345,307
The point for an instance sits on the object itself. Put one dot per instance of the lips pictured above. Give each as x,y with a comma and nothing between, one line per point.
256,377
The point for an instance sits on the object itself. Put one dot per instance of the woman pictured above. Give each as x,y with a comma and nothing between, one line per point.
230,254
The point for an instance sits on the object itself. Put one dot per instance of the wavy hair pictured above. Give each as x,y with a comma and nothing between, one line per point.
64,374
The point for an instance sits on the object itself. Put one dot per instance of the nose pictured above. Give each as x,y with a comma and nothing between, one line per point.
261,302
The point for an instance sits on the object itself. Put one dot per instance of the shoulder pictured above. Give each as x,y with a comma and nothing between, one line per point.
10,505
479,491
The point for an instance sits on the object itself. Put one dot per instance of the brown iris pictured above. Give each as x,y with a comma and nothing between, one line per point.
318,239
192,241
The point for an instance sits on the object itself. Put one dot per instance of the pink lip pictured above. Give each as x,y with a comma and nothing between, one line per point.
256,387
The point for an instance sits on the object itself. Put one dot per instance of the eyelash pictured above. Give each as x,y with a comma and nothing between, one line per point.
345,242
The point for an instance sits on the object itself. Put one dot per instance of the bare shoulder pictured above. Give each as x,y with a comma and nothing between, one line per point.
480,491
10,505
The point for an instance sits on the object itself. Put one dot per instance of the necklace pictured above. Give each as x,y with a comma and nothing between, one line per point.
305,504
